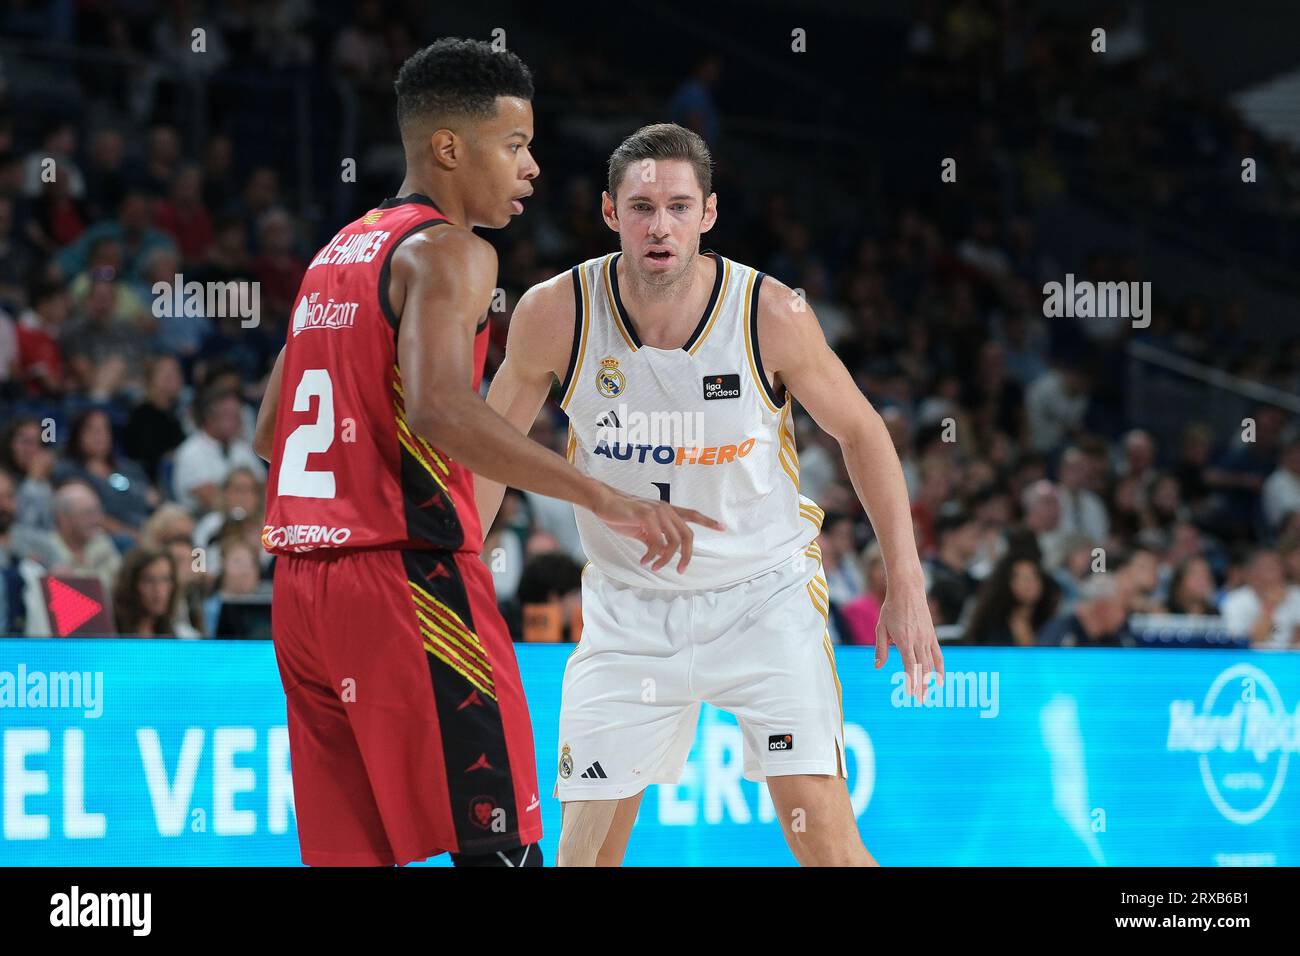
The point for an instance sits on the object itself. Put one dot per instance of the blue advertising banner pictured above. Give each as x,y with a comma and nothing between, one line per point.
136,752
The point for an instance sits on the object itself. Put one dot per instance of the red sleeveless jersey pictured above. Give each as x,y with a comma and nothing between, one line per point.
346,469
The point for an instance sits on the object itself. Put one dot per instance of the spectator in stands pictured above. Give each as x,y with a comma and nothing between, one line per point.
991,506
1192,590
171,529
1266,608
218,175
693,105
30,461
549,601
1130,509
81,546
55,218
1055,406
175,333
56,156
1075,569
40,358
261,194
1098,620
162,160
145,597
130,302
241,500
862,614
104,354
1139,461
277,267
1042,509
205,458
184,217
132,228
1193,460
17,544
1239,473
1282,488
997,399
122,486
949,584
240,576
936,488
105,174
1140,569
1167,507
154,428
1082,511
1016,601
16,259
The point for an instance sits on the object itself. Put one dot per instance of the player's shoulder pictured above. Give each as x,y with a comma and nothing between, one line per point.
449,247
549,301
779,307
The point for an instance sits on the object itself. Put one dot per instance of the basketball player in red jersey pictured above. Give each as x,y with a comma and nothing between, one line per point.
408,731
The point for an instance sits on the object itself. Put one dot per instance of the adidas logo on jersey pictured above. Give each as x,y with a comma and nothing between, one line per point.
721,386
594,772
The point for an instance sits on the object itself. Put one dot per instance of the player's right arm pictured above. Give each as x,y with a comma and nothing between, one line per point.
264,433
537,352
442,281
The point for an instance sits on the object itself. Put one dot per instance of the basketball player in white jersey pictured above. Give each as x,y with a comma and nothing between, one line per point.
678,373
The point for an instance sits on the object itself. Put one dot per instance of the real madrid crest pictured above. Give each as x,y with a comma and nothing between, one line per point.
566,763
609,380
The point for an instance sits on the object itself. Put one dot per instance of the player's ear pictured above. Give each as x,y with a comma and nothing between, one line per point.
710,213
609,211
446,148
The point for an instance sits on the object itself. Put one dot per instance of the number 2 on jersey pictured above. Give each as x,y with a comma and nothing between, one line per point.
310,438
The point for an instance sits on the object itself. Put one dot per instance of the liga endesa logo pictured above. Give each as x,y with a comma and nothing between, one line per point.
1244,741
304,537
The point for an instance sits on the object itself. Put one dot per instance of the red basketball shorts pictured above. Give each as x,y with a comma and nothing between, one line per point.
408,731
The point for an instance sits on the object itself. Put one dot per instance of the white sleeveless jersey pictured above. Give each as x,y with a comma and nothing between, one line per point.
699,426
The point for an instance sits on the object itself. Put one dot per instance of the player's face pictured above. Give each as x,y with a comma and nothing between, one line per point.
659,215
503,168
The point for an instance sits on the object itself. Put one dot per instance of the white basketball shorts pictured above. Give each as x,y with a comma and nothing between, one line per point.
648,658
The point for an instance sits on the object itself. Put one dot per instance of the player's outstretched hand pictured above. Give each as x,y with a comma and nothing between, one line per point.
660,526
905,620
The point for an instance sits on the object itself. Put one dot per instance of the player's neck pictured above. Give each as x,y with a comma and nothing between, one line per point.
444,198
665,313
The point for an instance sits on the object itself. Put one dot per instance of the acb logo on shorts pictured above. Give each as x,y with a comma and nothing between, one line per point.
610,382
780,742
566,763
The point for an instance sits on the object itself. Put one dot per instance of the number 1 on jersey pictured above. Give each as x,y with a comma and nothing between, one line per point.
663,489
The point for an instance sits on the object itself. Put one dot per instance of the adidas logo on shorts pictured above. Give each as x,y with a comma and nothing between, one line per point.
594,772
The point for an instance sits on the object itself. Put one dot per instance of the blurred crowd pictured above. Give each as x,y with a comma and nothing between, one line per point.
1041,515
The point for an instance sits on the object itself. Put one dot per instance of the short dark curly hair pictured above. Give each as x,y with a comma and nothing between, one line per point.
456,78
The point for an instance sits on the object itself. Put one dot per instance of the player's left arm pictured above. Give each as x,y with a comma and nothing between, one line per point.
795,351
264,433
